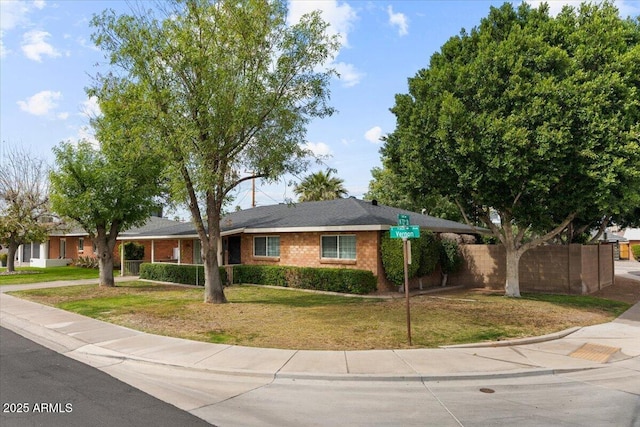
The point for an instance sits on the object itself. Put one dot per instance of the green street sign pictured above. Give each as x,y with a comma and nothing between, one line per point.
403,220
405,232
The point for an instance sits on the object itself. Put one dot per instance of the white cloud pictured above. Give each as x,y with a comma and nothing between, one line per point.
3,51
13,13
398,20
39,4
63,116
90,108
339,15
87,44
319,149
85,133
34,45
41,103
349,75
374,134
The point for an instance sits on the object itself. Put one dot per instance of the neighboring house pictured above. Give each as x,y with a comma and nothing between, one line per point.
620,245
633,236
69,243
342,233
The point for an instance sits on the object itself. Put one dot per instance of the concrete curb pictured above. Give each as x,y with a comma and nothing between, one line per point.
519,341
80,350
38,323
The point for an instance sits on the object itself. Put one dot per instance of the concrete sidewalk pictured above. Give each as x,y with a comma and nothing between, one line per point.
102,344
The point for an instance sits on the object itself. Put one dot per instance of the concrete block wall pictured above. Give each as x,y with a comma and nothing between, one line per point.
482,266
597,267
571,269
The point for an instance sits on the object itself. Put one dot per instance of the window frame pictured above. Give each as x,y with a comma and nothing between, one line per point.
338,256
266,247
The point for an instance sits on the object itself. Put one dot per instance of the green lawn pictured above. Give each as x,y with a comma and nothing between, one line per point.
264,317
37,275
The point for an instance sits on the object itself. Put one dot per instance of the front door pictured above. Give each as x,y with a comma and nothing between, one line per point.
233,246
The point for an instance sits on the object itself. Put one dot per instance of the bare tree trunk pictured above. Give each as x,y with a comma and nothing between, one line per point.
105,263
105,257
11,256
512,283
213,290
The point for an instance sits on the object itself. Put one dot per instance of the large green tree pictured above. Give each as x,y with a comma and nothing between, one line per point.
530,116
320,186
386,188
24,201
229,87
105,192
114,186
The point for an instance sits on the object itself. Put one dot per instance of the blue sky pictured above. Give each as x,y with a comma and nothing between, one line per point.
47,59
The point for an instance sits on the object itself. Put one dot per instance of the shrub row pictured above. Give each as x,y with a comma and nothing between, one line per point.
427,252
133,251
342,280
635,250
177,273
86,262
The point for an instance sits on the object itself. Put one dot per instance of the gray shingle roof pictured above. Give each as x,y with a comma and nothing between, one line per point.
325,215
152,224
331,213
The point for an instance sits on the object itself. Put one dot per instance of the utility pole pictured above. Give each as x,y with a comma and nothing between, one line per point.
253,190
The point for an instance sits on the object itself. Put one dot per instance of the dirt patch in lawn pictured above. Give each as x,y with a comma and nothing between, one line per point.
276,318
623,289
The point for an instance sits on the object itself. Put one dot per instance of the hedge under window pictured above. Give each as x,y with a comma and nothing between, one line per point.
339,247
266,246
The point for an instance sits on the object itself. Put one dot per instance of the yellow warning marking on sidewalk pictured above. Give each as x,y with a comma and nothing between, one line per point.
595,352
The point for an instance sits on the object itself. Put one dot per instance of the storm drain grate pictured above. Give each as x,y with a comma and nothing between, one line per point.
595,352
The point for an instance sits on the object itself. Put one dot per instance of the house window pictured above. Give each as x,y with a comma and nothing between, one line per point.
339,247
197,251
268,246
81,244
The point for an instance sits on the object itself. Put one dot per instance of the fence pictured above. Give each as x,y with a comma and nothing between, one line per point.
567,269
132,267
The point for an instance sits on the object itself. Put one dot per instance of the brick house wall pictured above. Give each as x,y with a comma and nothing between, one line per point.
72,247
163,249
304,250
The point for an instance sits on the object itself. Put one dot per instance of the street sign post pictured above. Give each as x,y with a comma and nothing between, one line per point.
403,220
405,231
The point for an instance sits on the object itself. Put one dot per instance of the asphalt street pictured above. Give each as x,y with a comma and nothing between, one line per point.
39,387
33,375
585,377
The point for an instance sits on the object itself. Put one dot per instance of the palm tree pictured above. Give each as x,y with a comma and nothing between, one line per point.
320,186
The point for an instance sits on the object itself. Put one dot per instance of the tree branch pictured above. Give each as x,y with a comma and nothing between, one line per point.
538,241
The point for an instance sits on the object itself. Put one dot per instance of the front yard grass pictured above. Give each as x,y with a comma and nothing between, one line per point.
289,319
28,275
